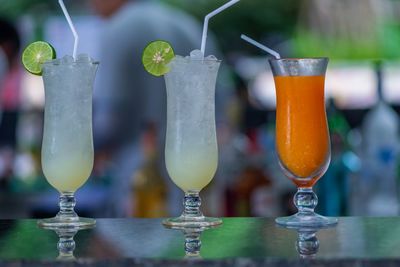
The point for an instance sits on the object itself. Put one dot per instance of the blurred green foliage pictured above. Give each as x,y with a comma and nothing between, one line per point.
257,18
261,19
273,22
13,9
385,46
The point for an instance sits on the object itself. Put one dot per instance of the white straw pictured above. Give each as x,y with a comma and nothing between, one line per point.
71,25
208,17
261,46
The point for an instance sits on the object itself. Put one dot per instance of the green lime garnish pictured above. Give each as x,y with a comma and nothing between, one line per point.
156,57
35,55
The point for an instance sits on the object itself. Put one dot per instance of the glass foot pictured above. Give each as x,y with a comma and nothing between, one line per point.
191,222
66,217
311,220
191,217
57,223
306,201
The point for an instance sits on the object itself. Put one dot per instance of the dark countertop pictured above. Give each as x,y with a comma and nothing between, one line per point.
238,242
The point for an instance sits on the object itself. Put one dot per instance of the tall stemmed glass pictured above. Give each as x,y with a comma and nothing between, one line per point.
191,152
67,148
302,136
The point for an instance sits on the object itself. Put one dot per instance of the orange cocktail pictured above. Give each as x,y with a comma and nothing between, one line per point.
302,137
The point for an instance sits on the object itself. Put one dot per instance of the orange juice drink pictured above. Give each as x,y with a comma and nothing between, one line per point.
302,137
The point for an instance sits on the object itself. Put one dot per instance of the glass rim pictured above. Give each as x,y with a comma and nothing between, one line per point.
298,58
188,58
180,65
58,63
208,60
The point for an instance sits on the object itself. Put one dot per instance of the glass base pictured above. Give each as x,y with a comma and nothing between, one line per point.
75,222
191,222
309,220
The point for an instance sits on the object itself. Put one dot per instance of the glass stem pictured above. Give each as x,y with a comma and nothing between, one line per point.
192,203
67,205
306,201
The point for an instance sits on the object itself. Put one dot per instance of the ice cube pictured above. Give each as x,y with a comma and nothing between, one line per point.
84,58
196,55
67,59
211,57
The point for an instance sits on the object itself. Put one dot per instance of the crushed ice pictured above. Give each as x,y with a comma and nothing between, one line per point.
196,55
84,58
67,59
211,57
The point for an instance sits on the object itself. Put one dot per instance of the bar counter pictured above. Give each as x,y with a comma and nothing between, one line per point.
355,241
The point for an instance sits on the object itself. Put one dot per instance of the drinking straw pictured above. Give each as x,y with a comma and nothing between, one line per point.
71,25
261,46
208,17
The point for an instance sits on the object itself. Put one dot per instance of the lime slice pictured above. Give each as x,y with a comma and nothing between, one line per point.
156,57
35,55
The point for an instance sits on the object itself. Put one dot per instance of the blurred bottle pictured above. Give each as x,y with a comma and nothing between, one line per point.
333,187
149,189
381,150
3,65
252,194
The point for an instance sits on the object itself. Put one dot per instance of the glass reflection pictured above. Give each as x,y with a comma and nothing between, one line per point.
193,242
66,242
307,243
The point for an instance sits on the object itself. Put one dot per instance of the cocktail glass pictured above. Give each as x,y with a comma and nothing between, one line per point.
302,136
67,148
191,152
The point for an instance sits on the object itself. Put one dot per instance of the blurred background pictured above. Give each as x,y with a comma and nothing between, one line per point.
361,38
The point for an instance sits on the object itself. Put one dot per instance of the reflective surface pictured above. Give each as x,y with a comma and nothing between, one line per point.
255,238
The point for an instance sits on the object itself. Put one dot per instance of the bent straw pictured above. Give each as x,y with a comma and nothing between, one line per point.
261,46
71,25
208,17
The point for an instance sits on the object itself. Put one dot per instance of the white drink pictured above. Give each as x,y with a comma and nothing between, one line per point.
191,152
67,174
67,149
192,169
